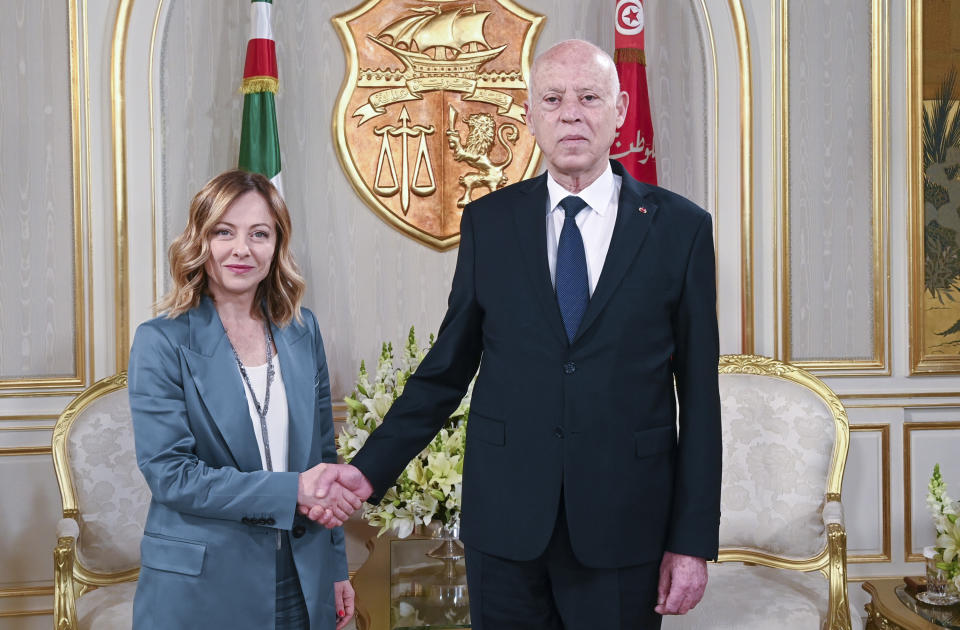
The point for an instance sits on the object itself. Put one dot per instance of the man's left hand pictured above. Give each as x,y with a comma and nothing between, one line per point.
682,582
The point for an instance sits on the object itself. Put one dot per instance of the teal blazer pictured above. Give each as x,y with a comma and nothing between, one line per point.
208,555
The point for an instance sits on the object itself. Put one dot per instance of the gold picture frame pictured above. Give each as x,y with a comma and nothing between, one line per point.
934,162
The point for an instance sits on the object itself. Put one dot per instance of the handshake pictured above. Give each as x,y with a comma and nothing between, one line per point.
330,493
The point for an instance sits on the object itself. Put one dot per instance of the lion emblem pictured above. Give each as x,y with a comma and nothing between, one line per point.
476,153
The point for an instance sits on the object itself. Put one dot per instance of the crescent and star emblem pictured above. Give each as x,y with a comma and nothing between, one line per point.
629,17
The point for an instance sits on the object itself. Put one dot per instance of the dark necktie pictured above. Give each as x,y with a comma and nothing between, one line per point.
573,291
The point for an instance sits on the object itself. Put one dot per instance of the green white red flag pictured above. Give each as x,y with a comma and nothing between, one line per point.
259,139
633,146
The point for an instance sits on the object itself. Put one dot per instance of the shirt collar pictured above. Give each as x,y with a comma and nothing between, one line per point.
597,195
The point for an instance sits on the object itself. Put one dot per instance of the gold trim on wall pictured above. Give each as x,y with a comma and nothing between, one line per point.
118,120
27,418
955,405
66,394
716,127
879,44
16,451
153,129
903,395
25,613
919,364
908,429
26,591
746,176
89,189
78,379
885,554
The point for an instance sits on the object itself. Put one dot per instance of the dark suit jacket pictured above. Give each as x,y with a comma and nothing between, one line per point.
597,417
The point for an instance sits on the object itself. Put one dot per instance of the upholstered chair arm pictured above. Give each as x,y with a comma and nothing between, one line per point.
64,590
837,568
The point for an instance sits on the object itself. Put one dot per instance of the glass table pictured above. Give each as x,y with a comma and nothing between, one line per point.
426,593
892,608
944,616
403,585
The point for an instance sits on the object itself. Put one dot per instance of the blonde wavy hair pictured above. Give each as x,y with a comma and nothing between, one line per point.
281,292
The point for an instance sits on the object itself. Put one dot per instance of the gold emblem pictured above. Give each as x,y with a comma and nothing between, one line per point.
462,68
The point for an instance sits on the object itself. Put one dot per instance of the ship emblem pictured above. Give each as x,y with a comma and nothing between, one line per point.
430,115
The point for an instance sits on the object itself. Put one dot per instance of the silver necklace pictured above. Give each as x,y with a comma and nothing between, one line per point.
261,411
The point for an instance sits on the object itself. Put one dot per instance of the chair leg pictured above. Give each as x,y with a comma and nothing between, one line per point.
839,604
64,591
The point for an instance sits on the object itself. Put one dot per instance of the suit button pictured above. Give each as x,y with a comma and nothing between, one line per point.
245,520
271,521
299,531
558,432
569,367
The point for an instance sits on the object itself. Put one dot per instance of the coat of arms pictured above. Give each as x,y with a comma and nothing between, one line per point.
430,116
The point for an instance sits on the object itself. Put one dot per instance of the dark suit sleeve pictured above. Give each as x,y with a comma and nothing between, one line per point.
324,419
695,518
438,385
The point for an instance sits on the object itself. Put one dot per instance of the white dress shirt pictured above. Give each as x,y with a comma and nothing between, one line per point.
278,426
596,221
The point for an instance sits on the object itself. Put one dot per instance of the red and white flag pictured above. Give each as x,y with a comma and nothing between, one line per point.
259,138
633,146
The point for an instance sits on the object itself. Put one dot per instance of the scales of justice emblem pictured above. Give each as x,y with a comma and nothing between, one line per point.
422,139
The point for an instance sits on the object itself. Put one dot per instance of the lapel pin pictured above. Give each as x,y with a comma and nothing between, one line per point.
642,210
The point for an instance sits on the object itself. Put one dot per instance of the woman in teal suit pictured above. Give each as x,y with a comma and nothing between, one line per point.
231,401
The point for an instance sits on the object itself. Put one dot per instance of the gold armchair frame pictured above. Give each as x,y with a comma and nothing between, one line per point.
832,560
71,578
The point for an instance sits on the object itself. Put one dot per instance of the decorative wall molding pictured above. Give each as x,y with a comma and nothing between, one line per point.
78,177
884,508
909,429
878,362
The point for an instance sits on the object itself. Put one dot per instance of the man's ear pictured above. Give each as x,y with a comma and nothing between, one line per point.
526,118
623,102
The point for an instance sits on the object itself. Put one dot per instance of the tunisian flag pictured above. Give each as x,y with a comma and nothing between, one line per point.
633,146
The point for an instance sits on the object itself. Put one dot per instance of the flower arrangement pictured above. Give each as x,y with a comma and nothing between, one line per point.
945,518
430,486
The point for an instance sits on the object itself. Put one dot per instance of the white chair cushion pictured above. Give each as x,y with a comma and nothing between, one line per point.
778,439
107,608
739,597
112,495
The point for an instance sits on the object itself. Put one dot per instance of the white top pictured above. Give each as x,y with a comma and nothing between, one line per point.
596,222
278,423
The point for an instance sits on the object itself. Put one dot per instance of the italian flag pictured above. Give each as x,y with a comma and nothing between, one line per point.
259,140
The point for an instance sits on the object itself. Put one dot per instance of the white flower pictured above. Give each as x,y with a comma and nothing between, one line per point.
377,406
430,486
949,541
403,522
354,442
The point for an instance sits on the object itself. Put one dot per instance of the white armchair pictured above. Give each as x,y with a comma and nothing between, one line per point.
782,559
105,500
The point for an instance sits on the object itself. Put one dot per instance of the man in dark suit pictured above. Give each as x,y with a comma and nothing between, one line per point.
584,297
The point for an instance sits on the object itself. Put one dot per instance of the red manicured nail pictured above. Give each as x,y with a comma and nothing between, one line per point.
340,613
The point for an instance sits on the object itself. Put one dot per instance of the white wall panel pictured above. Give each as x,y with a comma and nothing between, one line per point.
29,491
863,493
37,324
831,281
926,444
